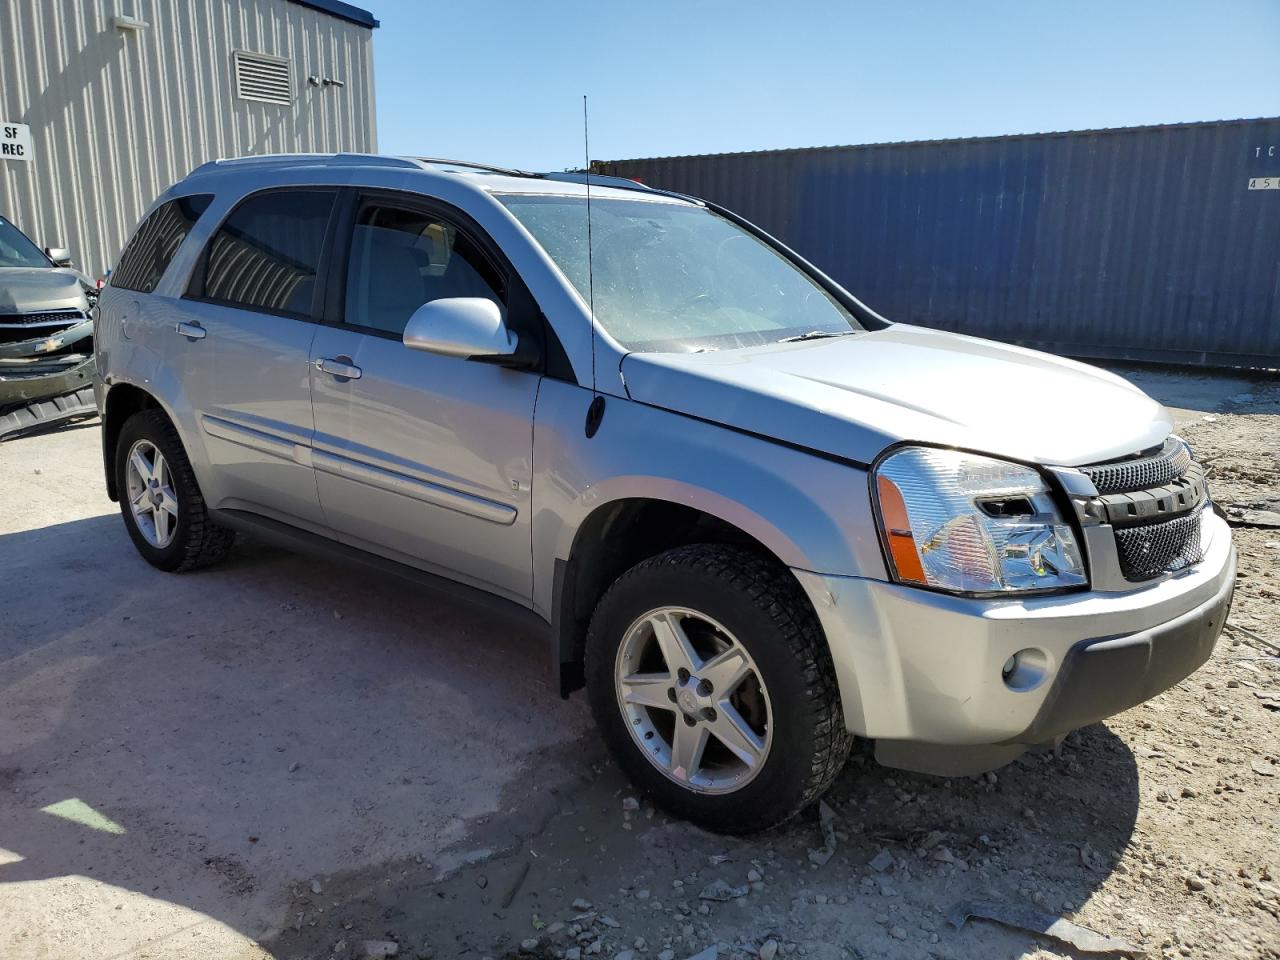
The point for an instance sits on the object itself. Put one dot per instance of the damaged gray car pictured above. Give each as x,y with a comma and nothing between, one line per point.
46,336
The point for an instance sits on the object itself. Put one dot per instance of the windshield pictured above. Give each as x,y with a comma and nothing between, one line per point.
16,250
677,277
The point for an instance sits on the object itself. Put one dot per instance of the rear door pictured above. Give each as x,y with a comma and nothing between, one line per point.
422,458
248,321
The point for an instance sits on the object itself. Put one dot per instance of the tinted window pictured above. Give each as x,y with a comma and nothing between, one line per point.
148,254
16,250
265,255
400,259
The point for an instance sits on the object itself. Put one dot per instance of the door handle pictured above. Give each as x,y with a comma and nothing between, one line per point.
192,331
340,367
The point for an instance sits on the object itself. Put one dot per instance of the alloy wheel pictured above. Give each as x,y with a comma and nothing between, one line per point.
694,700
150,491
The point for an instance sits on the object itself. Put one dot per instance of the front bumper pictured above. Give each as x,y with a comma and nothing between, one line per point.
925,668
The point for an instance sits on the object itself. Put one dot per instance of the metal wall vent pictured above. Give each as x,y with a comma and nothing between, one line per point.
263,78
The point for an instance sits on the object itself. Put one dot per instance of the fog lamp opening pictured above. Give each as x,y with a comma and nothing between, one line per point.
1025,670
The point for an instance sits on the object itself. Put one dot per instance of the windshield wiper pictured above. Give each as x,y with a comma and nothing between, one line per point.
815,335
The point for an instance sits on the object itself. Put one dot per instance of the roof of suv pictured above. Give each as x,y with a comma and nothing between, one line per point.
480,176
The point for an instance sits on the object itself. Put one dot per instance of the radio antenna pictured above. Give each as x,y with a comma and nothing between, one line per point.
591,280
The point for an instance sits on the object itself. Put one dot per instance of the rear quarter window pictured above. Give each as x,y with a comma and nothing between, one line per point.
148,253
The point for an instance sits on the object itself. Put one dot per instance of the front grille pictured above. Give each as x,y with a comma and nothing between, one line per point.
16,327
1149,550
47,317
1158,469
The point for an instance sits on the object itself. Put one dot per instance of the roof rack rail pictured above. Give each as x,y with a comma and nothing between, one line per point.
305,159
471,165
601,180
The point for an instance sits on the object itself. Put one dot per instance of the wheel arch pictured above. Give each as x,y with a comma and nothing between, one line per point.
122,401
611,539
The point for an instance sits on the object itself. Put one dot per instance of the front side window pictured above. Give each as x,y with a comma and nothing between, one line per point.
678,277
18,251
266,253
148,254
402,258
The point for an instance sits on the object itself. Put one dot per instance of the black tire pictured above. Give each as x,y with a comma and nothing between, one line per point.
198,541
762,605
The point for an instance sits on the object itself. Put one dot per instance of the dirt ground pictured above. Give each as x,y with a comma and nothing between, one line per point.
280,757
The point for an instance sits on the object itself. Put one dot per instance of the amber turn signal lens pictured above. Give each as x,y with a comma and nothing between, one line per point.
897,530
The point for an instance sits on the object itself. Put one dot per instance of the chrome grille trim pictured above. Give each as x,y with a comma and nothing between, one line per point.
1157,469
43,319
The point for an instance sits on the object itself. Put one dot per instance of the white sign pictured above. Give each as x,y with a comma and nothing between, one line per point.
15,141
1264,183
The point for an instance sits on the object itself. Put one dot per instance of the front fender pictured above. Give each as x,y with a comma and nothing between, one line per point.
810,512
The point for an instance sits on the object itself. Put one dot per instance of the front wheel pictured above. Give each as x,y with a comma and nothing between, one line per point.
711,681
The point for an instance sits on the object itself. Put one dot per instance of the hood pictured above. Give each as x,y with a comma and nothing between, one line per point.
36,289
855,395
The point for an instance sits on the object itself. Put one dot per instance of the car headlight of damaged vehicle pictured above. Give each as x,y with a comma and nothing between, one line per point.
971,524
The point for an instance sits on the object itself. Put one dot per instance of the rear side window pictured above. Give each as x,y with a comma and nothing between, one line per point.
148,254
266,253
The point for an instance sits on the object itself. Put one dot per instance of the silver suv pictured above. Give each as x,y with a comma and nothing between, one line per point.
751,516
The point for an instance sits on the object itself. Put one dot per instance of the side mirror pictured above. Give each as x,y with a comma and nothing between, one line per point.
60,256
472,328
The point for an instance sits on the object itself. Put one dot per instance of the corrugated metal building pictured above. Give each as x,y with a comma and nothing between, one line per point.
1152,243
104,103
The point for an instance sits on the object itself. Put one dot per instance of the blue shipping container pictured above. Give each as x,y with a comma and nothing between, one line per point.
1144,243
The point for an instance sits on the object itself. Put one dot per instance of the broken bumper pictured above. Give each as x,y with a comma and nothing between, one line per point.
923,673
37,371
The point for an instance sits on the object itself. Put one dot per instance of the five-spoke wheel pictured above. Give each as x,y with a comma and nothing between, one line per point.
693,699
713,686
151,498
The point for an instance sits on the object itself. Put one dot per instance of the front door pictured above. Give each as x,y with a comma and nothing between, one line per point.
422,458
248,322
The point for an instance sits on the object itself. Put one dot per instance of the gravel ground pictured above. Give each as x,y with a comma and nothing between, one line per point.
296,785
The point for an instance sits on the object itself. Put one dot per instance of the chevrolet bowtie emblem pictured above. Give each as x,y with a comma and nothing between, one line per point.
53,343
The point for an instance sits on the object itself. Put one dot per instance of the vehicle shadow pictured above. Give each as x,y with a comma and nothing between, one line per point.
206,740
206,745
1044,834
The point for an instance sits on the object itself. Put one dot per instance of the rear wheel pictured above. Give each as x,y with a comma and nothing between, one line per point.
711,681
160,500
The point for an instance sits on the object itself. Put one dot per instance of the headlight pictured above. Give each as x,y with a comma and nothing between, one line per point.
970,524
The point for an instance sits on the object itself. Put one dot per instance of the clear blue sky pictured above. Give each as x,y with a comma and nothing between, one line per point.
502,81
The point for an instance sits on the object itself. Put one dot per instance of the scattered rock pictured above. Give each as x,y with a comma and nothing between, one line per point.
529,945
315,887
881,862
723,891
768,950
581,904
1263,768
827,820
1196,883
754,876
377,949
630,803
